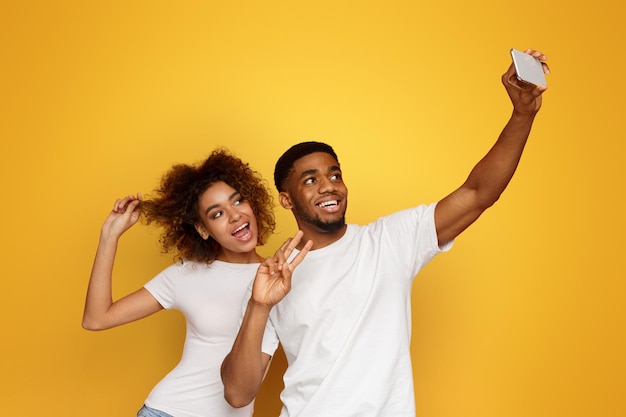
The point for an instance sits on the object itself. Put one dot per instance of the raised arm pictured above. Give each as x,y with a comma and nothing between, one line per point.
100,310
245,366
492,174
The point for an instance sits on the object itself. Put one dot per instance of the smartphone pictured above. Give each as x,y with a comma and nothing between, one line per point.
528,68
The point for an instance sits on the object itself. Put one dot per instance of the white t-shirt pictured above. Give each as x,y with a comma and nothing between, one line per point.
345,326
210,297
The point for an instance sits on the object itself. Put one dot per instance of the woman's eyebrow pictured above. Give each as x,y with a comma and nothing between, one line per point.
208,209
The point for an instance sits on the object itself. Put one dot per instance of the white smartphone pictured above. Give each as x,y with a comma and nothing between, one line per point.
528,68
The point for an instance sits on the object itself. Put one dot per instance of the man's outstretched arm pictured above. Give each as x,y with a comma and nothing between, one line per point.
492,174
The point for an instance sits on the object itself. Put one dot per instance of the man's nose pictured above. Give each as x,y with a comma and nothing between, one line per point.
327,185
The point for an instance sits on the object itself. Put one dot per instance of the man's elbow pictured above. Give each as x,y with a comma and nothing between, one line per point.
235,394
237,401
235,398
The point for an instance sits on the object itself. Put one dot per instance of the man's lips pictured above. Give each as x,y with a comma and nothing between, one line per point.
328,203
330,206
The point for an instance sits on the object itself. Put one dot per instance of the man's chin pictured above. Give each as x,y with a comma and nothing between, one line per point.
333,226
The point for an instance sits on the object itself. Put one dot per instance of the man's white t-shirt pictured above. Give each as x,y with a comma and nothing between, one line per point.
345,326
210,298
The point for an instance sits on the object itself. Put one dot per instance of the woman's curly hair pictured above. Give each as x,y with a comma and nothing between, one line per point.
175,206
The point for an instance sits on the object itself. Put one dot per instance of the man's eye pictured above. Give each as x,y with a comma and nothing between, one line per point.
309,181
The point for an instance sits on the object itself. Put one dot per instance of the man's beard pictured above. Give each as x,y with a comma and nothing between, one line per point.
326,226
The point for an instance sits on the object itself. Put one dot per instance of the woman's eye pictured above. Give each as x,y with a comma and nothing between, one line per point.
217,214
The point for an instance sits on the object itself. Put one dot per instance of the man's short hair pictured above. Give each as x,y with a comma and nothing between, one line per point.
284,165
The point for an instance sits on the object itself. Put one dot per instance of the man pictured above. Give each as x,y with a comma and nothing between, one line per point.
344,320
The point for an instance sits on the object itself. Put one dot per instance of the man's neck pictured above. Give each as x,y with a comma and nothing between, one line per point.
321,238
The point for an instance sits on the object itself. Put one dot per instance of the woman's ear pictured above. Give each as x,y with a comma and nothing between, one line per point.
204,234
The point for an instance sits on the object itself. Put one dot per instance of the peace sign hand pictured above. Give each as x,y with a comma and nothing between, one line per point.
273,278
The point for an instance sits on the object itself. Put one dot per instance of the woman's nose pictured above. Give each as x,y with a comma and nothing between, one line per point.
234,215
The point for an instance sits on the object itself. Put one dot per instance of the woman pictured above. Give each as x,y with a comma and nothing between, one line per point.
213,217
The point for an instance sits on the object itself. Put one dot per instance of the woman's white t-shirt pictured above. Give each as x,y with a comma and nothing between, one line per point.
210,298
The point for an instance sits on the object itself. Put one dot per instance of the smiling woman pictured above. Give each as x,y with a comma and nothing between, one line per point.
226,217
213,217
183,203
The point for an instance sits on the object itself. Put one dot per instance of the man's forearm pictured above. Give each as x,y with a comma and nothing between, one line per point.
244,368
492,174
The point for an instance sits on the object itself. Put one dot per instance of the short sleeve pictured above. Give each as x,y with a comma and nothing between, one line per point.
162,287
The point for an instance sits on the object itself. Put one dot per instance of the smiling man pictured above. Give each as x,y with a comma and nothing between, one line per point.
344,319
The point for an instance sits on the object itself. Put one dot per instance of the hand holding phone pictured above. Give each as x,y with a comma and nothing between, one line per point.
528,68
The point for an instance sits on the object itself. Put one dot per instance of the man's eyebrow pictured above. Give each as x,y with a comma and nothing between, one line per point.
309,172
208,209
332,168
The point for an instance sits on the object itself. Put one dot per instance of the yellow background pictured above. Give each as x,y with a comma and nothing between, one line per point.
524,317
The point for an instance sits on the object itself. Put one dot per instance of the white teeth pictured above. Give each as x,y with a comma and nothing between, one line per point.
243,226
328,203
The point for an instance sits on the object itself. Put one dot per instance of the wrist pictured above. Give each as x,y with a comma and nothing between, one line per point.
523,117
109,239
257,307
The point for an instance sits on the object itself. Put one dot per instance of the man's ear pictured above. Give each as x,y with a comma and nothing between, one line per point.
285,200
204,234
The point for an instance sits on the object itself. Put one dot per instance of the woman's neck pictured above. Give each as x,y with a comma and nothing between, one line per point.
239,257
